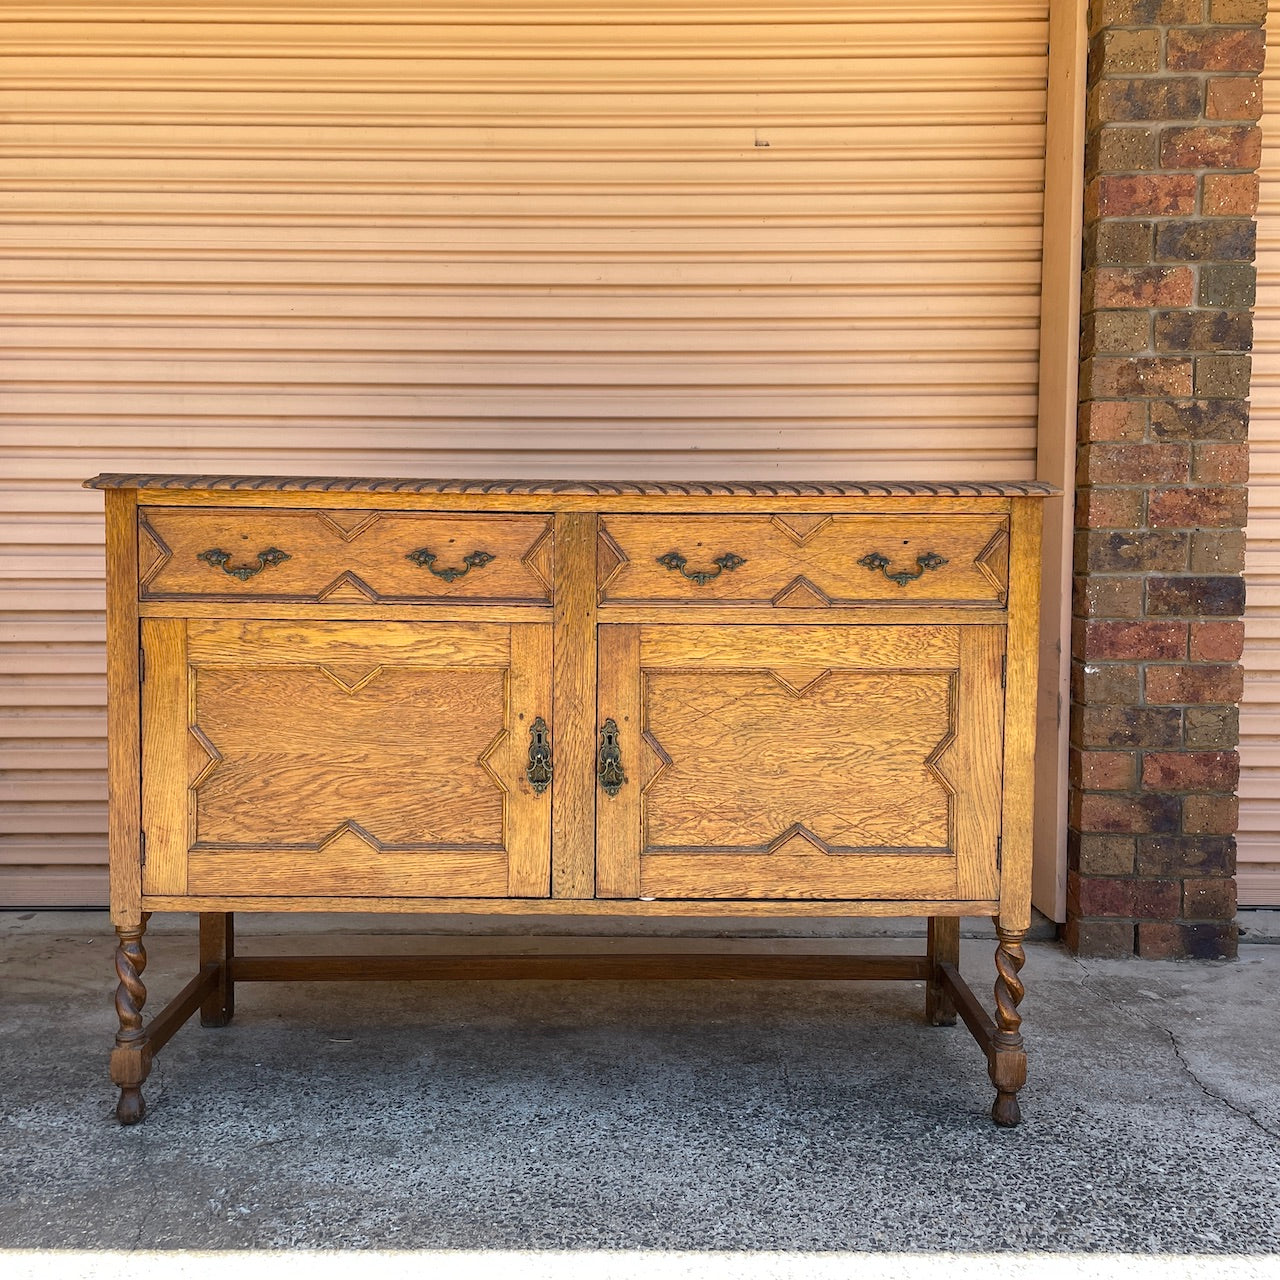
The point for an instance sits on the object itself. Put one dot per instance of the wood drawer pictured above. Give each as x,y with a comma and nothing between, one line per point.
803,561
341,556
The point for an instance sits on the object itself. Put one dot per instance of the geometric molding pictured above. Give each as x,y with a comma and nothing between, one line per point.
350,679
800,593
347,588
799,681
202,757
348,525
351,837
539,558
153,554
993,561
609,559
800,529
798,840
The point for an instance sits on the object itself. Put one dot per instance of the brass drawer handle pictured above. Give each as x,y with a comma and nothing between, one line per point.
674,561
609,759
425,559
220,559
875,561
539,771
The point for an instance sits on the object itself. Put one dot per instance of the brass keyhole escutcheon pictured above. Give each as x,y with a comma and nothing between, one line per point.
609,759
539,770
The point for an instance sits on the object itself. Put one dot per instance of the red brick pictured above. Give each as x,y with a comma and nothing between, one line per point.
1100,939
1204,682
1209,899
1216,641
1099,811
1243,12
1139,287
1133,641
1196,508
1143,13
1130,196
1134,463
1230,195
1214,49
1110,508
1115,377
1106,770
1219,147
1102,683
1181,941
1126,727
1099,596
1235,98
1190,770
1112,102
1112,420
1157,899
1099,895
1210,815
1220,463
1214,596
1092,854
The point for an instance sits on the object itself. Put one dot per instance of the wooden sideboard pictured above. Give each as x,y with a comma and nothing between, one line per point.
636,699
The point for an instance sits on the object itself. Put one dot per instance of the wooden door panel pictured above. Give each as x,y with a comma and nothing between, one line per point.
346,759
895,732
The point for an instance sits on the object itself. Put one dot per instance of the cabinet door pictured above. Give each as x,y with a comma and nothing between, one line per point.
802,762
344,759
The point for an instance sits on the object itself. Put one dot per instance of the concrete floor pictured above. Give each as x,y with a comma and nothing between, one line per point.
762,1118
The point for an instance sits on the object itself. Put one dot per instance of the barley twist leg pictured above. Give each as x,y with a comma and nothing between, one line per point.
131,1058
1008,1058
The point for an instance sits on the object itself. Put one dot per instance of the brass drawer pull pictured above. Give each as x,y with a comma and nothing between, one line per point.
539,771
425,559
674,561
220,559
875,561
609,759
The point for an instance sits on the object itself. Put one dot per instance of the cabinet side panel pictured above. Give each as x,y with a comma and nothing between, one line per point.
618,817
527,820
573,816
124,744
1020,715
166,800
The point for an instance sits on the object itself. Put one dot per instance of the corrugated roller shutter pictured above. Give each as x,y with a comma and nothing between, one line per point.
1259,839
578,238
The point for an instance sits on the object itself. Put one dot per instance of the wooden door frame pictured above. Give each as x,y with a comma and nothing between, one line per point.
1063,224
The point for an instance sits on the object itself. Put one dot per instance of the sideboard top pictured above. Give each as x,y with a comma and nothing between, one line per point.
598,488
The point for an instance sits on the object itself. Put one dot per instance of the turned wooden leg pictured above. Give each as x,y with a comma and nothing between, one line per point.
218,946
944,948
1008,1058
131,1058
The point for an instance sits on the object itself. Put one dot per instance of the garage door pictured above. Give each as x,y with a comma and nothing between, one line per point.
580,239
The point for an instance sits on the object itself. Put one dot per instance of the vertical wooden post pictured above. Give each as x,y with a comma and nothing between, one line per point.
218,946
944,948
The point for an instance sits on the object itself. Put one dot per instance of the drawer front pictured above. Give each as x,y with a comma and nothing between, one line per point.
803,561
343,556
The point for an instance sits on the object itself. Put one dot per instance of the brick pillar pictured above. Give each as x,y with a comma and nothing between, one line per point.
1168,290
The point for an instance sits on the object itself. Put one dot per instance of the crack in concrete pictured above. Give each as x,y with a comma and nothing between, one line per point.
1182,1060
1210,1093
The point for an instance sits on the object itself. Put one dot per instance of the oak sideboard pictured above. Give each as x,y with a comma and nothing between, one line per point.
570,698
